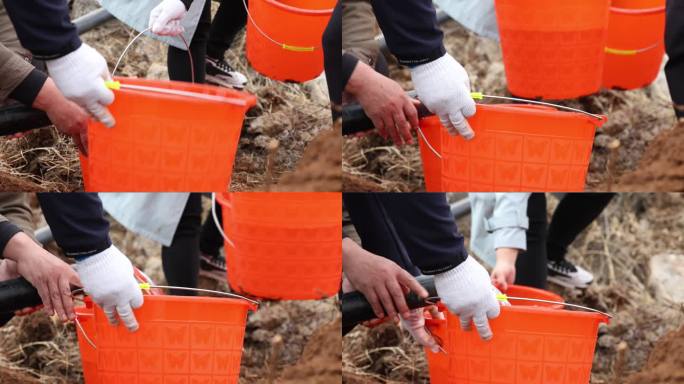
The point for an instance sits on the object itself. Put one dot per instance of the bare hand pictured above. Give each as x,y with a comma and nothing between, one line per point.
393,113
381,281
503,273
51,276
66,115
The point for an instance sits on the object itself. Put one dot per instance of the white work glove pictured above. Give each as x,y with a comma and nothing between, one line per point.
444,88
165,18
81,75
108,278
414,323
467,292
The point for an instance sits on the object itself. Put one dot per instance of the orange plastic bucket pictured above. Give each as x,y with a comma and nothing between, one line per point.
532,344
86,318
283,245
516,148
553,49
166,142
284,37
636,43
180,340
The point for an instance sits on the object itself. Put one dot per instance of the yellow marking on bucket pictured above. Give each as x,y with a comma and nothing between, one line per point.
477,95
621,52
501,297
295,48
113,84
144,286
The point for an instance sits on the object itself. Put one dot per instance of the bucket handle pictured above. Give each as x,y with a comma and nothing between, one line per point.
285,46
218,225
254,304
503,297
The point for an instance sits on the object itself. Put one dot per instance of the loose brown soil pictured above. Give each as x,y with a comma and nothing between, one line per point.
662,166
666,363
635,118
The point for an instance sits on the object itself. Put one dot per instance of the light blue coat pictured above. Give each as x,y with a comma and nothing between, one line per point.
477,15
498,220
136,14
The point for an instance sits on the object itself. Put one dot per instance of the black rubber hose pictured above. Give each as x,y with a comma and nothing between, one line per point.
355,120
19,118
356,309
17,294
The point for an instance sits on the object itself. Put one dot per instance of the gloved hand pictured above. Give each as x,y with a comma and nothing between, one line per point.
81,76
165,18
414,323
108,278
444,88
467,292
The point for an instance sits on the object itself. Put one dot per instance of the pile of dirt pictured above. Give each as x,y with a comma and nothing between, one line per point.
319,169
662,166
666,363
14,376
320,362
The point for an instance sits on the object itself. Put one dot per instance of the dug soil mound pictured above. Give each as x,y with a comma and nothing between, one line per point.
662,166
13,376
321,361
319,169
666,363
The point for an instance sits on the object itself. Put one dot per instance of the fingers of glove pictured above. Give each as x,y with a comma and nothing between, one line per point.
494,310
101,114
398,298
465,322
67,300
407,280
470,107
56,298
110,312
386,300
459,122
137,299
104,95
482,326
126,315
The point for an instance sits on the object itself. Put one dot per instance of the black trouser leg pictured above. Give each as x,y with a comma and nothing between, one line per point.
178,61
573,214
531,269
211,240
674,44
180,261
230,18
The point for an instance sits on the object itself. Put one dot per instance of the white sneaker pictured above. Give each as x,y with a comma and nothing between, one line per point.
220,73
568,275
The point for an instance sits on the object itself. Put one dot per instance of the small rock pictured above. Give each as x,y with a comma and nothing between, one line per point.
605,141
157,71
667,277
608,341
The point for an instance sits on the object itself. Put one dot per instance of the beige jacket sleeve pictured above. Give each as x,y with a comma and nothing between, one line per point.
13,71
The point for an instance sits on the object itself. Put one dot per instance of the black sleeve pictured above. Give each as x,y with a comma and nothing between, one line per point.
410,29
7,231
77,222
44,27
417,224
27,91
189,2
332,51
674,44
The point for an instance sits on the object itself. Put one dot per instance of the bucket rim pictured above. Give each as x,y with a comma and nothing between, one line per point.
637,11
302,11
232,96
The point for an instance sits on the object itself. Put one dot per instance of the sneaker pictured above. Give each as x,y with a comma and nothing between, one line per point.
569,275
213,267
220,73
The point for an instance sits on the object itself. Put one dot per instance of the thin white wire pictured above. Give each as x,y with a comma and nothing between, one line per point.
216,220
544,104
258,28
422,136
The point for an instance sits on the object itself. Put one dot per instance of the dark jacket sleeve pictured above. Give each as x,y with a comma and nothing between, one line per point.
77,222
333,63
7,231
44,27
410,29
674,44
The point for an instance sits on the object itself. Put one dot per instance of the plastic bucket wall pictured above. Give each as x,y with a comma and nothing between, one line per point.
86,318
286,244
166,142
553,49
432,165
532,345
297,23
636,43
180,340
516,148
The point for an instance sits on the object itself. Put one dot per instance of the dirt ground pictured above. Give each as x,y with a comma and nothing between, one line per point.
285,341
636,118
274,136
616,248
